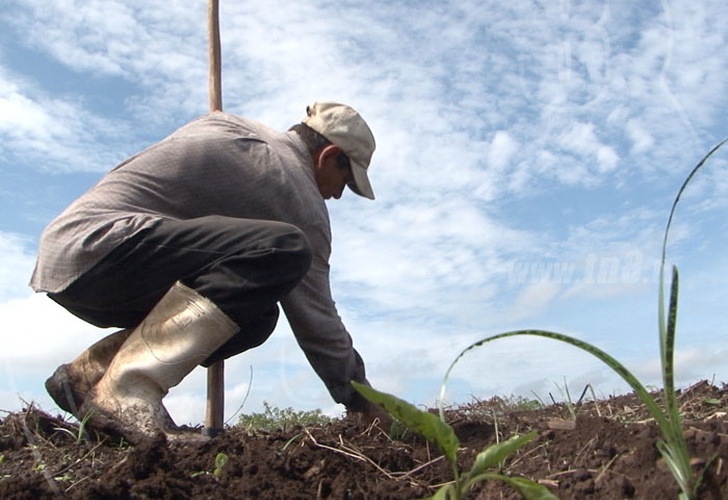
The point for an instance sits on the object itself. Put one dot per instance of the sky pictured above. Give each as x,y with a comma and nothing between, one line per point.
528,154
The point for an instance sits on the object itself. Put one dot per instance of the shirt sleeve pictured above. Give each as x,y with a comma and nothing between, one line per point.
320,332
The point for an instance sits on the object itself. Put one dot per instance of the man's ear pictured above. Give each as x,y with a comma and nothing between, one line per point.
326,154
329,152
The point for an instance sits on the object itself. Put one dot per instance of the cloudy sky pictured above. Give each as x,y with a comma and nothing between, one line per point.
528,155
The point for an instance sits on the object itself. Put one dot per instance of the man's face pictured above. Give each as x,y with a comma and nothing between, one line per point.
330,177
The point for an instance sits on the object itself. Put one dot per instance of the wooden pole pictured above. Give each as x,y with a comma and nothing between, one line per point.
213,16
215,414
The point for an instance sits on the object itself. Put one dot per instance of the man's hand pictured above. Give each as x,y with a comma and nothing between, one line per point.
363,411
369,414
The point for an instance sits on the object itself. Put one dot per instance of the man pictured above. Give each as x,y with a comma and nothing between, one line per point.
189,246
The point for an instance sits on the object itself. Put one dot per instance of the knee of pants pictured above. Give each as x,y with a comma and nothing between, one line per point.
284,249
244,282
296,245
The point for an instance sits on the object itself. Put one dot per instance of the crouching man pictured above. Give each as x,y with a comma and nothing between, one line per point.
189,246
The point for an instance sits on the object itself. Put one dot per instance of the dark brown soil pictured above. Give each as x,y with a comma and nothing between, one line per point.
609,454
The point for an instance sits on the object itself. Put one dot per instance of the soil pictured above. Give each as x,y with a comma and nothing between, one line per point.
608,451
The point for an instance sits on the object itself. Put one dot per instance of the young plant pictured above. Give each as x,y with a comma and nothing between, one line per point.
672,446
221,459
81,434
441,434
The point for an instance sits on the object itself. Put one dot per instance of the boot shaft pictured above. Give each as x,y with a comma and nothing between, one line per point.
182,330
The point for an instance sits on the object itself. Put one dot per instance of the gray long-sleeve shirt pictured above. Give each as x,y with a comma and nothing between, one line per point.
219,164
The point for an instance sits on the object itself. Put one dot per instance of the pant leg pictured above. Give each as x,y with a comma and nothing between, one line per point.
244,266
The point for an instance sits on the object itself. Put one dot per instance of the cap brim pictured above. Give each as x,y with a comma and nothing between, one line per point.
361,185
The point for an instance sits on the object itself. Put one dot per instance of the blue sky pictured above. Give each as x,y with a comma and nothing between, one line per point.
528,154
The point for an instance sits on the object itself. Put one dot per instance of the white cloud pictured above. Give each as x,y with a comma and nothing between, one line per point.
642,140
57,133
15,267
502,149
533,300
525,132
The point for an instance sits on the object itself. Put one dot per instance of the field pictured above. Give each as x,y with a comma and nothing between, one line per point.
586,449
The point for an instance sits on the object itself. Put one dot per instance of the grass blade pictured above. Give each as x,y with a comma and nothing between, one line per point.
530,490
527,488
615,365
679,195
668,363
667,332
674,450
495,454
444,493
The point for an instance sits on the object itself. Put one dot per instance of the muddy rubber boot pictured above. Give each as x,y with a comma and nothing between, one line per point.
71,382
182,330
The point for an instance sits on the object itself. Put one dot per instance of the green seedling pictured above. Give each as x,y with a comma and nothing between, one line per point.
672,446
437,431
220,460
81,434
2,460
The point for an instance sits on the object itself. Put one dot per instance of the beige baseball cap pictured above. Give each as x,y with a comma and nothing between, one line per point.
345,128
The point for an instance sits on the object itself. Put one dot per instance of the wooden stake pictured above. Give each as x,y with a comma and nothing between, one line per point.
213,16
215,414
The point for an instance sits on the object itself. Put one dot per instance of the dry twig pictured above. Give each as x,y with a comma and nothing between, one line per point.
347,449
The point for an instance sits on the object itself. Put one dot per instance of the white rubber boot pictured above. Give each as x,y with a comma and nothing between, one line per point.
182,330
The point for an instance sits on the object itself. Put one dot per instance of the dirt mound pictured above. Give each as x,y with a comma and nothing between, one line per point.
606,452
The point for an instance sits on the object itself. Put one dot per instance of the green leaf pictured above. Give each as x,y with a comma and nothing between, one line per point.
530,490
220,460
677,461
444,493
687,181
615,365
527,488
424,423
494,455
674,450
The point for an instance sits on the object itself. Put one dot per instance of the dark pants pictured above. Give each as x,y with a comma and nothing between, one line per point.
244,266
